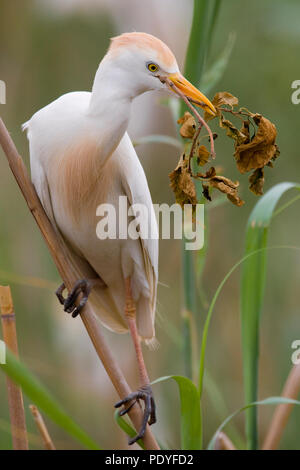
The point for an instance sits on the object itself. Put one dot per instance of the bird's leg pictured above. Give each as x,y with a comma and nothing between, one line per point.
82,287
145,391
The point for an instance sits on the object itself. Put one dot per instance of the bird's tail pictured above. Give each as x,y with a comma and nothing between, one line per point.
25,126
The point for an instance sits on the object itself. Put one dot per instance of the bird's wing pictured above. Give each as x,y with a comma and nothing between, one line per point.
40,182
136,188
102,304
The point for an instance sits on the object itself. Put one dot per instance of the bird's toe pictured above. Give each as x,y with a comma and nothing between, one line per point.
82,287
149,416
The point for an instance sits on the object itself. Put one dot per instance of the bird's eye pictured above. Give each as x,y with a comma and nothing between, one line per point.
152,67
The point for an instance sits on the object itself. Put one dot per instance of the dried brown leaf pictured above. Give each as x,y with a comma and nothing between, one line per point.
188,128
182,184
223,184
256,181
225,98
245,130
228,187
277,153
221,98
258,152
233,132
208,175
251,153
205,191
202,155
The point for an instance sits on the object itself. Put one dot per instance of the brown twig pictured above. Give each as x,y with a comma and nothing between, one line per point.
239,114
70,275
40,423
281,415
15,397
200,119
193,146
223,442
235,113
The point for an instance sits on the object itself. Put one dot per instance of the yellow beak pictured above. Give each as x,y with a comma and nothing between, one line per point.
192,93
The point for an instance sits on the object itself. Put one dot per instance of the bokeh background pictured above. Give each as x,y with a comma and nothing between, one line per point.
48,48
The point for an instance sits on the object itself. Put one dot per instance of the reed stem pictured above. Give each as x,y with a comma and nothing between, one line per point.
282,412
40,423
15,397
223,442
205,14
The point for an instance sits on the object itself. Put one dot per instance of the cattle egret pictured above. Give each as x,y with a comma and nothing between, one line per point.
81,156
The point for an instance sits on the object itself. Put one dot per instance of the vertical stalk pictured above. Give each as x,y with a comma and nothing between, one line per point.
223,442
204,18
215,13
197,47
189,308
282,413
15,397
41,426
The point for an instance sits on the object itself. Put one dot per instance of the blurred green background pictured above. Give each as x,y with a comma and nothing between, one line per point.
48,48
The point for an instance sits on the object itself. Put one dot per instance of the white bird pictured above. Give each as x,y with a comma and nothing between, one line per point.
81,156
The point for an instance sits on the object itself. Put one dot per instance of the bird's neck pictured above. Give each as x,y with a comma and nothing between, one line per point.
109,107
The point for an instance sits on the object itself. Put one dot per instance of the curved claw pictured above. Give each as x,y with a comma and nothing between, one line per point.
126,410
83,286
59,293
152,419
149,417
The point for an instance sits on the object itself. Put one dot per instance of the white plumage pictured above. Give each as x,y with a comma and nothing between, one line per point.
54,131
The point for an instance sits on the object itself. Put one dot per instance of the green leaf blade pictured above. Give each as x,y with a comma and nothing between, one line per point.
190,412
266,401
252,295
129,430
40,396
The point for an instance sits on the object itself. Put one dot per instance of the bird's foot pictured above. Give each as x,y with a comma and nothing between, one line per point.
83,287
144,393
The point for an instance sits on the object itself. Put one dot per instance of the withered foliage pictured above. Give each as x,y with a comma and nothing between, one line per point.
254,148
182,183
202,155
256,181
188,126
260,150
223,184
205,191
228,187
231,131
220,99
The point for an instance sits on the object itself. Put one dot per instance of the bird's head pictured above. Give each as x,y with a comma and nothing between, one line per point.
143,63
